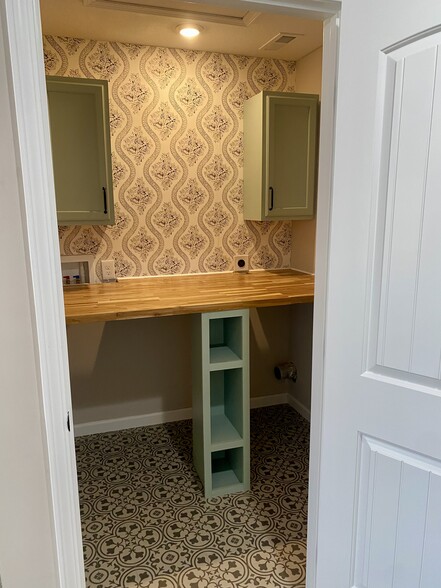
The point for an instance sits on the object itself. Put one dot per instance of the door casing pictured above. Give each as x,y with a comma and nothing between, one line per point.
28,99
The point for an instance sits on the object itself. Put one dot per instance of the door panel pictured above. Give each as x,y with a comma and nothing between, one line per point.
394,543
289,159
409,330
291,154
380,456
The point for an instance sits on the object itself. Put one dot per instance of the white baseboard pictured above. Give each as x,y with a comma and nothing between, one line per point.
158,418
299,407
142,420
261,401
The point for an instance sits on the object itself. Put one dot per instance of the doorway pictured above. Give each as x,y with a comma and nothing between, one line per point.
61,323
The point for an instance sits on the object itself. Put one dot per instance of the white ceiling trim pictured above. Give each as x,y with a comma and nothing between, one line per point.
199,15
313,9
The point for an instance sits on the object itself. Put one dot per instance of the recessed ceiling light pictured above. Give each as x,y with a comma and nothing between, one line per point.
189,31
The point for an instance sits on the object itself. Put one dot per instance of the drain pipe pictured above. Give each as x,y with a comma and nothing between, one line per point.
286,371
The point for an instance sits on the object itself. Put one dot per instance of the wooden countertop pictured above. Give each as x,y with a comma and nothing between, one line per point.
173,295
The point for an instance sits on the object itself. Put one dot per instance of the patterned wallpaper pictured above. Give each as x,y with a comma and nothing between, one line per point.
177,156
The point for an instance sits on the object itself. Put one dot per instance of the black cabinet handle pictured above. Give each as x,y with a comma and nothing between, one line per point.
271,191
105,199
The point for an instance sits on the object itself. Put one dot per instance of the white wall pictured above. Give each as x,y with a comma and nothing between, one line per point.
309,73
27,555
308,81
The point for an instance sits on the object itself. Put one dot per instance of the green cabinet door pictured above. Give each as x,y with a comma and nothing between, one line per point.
280,142
80,137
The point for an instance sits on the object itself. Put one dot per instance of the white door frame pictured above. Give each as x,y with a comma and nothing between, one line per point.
22,28
324,200
28,99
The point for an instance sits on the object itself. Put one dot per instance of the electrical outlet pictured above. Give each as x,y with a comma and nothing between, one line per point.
241,263
108,270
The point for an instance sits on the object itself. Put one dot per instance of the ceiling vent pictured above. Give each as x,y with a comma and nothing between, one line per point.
279,41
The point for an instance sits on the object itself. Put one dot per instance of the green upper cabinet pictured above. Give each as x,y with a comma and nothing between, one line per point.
280,145
80,136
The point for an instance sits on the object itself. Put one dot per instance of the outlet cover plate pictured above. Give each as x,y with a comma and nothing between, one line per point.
108,270
241,263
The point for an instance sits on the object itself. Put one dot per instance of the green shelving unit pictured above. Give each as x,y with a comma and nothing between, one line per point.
221,421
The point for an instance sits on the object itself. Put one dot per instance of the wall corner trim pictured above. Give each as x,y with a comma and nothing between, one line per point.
299,407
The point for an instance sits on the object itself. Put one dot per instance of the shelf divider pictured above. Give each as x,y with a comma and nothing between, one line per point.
223,354
223,433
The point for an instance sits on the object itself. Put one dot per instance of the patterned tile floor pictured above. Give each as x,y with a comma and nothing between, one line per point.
146,523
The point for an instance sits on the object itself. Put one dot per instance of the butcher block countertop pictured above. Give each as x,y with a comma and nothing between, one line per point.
186,294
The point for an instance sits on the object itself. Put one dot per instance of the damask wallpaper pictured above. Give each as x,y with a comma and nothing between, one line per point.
177,156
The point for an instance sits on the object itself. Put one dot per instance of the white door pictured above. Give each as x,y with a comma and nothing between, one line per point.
379,517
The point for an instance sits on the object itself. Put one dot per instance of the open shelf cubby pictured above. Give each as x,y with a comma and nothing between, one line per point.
221,419
225,341
227,469
226,408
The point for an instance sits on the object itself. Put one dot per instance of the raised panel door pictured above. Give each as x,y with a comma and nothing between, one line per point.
291,155
379,522
79,125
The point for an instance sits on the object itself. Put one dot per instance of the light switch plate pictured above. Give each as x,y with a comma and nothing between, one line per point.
108,270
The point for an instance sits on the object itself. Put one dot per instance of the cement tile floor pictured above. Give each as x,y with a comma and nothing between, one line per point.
146,523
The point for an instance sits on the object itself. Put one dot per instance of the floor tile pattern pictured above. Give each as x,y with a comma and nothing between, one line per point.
146,523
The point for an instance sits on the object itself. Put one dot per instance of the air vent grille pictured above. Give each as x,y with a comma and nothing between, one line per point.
284,39
279,41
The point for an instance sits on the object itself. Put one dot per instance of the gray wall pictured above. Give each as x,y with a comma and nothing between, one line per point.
301,351
27,555
129,368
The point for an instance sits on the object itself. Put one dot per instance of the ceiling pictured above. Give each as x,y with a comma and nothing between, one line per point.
154,22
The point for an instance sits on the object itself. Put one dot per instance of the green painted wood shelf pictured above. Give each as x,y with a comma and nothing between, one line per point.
221,429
